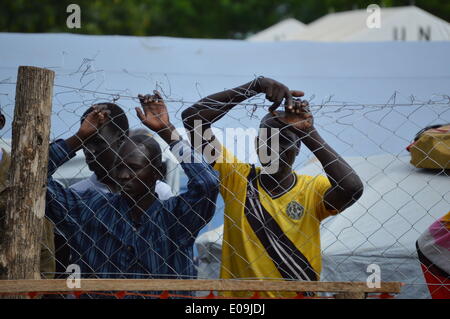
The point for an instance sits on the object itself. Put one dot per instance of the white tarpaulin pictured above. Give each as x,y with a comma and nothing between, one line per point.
388,24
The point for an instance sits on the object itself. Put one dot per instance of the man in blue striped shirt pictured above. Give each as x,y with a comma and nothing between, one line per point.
132,234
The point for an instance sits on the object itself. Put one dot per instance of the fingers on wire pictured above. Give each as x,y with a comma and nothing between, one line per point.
139,113
277,97
300,107
150,98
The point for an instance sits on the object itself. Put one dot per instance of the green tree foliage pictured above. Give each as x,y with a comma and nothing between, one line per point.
181,18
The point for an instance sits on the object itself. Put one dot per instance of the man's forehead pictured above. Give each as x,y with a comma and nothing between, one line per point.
109,129
283,136
104,135
129,148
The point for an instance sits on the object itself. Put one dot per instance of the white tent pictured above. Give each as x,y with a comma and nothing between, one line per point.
397,23
398,204
279,31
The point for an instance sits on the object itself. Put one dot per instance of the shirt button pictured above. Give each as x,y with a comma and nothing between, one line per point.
130,249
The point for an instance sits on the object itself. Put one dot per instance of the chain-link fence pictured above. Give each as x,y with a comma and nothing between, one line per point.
129,206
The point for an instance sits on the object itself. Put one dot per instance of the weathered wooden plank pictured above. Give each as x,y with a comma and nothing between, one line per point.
48,285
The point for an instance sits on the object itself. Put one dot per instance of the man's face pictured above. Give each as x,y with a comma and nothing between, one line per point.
101,149
277,148
135,173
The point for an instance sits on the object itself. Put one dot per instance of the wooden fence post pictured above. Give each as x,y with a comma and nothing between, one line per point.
22,225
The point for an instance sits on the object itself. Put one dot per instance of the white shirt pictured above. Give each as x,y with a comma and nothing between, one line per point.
162,189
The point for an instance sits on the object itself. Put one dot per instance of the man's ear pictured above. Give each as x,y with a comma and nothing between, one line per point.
299,146
2,121
162,171
120,140
158,171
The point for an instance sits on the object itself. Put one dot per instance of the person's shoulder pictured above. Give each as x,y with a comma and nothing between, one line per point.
234,170
228,164
227,160
90,183
81,186
95,198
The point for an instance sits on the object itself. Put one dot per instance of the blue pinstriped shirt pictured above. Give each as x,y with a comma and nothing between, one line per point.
108,243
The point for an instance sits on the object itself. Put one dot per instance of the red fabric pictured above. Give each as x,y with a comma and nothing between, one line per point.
120,294
164,295
256,295
211,295
438,286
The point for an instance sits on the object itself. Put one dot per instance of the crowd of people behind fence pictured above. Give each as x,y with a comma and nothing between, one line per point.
125,222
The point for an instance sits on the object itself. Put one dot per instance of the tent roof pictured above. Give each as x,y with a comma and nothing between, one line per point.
351,26
279,31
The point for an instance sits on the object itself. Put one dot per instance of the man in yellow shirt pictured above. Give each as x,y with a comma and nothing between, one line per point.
272,214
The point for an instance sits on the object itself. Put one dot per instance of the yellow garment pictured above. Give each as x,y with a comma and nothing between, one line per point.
47,260
432,149
446,220
243,255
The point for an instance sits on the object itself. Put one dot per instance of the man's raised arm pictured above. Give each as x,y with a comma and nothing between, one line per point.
61,201
346,186
194,208
213,107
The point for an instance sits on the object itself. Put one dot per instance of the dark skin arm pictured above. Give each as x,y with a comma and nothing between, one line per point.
88,128
346,186
155,116
213,107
